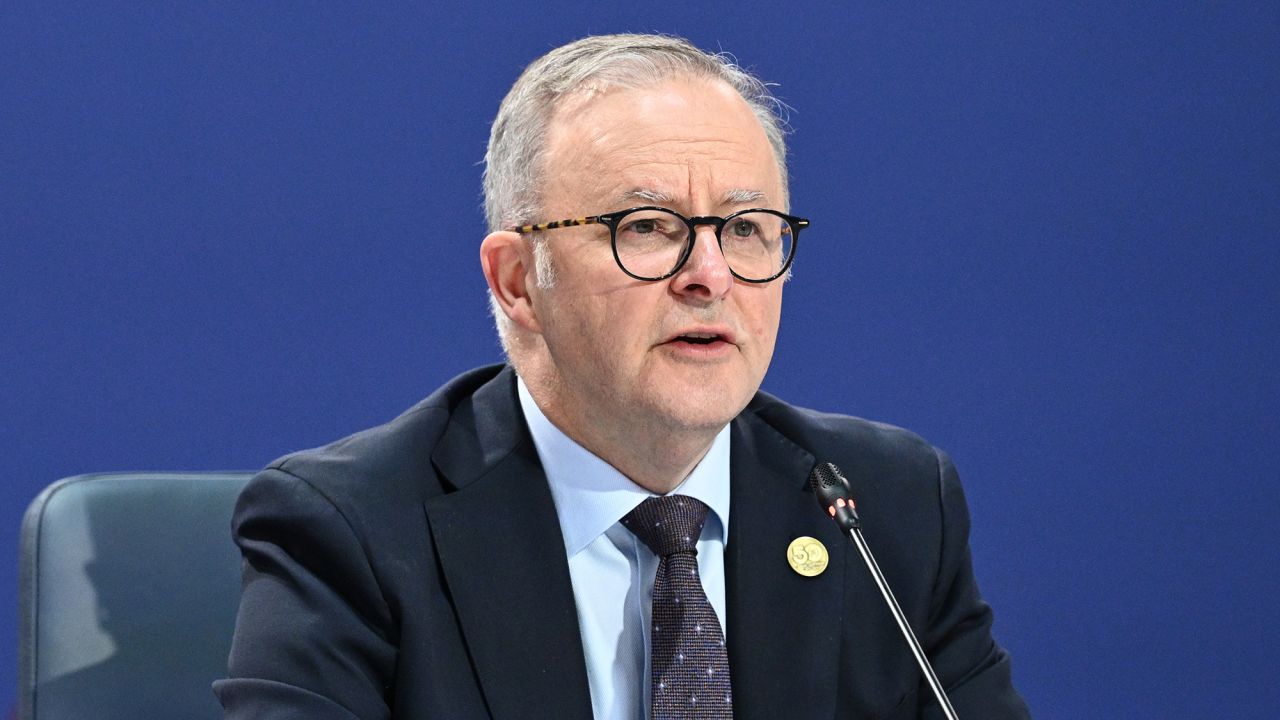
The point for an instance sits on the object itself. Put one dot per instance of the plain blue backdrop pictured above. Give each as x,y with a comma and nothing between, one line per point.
1044,236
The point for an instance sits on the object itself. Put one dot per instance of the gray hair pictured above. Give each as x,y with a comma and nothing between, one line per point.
514,161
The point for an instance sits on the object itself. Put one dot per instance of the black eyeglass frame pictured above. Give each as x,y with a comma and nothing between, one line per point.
612,220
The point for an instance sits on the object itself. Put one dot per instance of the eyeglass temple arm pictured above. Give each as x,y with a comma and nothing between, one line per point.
574,222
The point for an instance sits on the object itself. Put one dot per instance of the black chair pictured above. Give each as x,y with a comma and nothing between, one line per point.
129,587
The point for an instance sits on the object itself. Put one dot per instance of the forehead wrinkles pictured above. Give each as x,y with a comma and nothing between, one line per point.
650,158
672,138
603,131
682,184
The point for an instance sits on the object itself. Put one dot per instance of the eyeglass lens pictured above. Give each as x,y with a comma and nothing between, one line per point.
756,245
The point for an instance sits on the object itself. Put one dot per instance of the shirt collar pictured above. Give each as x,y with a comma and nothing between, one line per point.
591,495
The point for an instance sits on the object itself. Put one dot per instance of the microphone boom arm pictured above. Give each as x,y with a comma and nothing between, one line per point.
834,495
861,543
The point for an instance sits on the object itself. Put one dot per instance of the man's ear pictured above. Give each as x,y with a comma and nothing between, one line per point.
507,261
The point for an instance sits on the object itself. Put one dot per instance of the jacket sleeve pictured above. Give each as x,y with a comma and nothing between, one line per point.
314,637
972,668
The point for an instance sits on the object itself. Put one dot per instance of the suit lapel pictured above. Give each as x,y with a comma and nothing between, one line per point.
502,554
784,629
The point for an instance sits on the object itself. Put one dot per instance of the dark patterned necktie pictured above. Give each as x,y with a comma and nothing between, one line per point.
690,666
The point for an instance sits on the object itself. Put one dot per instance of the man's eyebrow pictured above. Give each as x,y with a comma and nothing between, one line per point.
647,195
739,196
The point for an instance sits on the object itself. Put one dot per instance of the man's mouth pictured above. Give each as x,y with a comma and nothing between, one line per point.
699,338
706,343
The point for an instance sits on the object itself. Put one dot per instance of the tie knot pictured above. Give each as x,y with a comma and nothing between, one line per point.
668,524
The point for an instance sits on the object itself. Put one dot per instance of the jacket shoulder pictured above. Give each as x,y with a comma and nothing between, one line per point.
857,446
391,461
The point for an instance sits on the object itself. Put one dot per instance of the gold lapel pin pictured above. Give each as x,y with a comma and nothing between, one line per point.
807,556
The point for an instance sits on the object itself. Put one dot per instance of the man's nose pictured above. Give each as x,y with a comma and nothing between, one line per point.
705,274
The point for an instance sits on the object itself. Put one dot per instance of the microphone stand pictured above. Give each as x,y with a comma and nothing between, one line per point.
943,701
831,489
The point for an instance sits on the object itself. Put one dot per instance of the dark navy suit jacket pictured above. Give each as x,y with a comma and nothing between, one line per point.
417,570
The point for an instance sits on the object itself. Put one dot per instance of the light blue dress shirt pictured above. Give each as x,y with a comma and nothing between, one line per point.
611,570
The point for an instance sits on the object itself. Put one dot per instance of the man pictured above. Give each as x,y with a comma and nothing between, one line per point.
505,549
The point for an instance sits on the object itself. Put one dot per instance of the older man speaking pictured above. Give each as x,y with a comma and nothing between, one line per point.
617,523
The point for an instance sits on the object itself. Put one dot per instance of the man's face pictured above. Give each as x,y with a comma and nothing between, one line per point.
621,347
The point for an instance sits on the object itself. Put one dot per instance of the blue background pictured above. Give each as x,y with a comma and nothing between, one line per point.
1044,236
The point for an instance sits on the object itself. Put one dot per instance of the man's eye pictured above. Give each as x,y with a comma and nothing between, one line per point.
643,227
744,228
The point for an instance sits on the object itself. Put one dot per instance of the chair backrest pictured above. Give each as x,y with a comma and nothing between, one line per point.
129,586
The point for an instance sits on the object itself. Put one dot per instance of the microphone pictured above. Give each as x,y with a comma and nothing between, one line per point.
832,489
833,493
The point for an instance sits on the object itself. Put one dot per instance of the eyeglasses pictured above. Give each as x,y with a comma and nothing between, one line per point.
653,243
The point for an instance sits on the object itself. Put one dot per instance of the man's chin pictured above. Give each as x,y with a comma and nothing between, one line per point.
702,407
